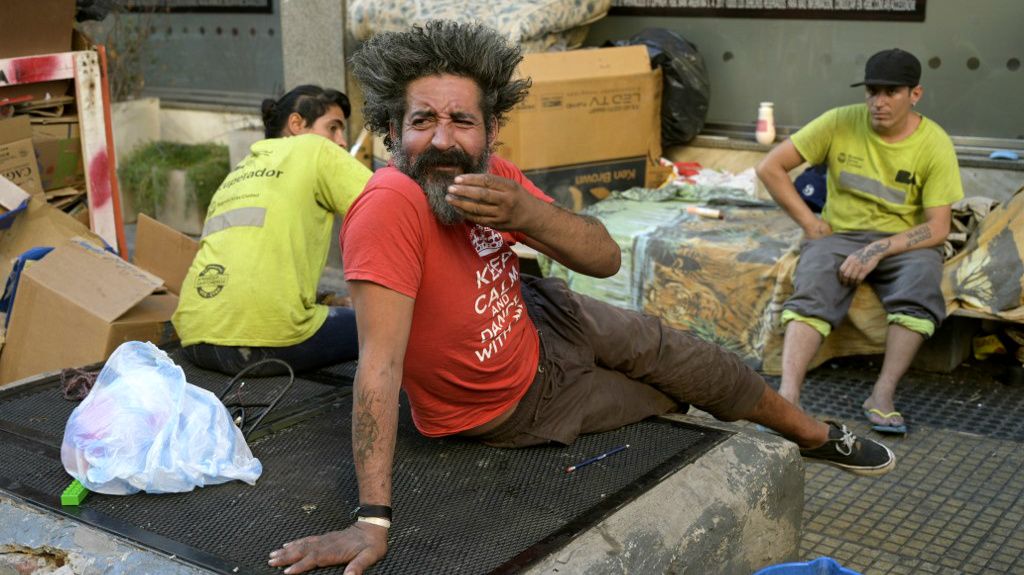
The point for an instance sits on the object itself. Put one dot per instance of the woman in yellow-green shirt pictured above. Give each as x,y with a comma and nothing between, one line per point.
250,293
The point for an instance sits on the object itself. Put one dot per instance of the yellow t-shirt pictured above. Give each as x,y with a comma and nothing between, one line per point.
265,243
874,185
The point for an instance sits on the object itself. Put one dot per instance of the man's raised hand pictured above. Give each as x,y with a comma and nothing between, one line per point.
493,201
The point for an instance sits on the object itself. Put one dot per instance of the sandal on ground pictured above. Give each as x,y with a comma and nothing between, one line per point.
886,425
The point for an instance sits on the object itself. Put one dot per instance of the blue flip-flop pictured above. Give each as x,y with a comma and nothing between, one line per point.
899,429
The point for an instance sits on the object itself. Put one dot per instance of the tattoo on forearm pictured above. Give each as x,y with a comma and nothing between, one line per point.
868,253
366,427
591,220
918,235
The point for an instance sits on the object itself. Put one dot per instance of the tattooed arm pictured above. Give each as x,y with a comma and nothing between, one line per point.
578,241
929,234
383,318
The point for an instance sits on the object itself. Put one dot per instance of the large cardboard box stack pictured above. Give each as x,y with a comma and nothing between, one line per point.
33,30
78,303
590,125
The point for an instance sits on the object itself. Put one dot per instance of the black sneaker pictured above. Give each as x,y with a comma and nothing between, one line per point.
857,455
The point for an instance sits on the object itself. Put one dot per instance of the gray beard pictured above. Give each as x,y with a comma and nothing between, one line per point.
436,189
435,184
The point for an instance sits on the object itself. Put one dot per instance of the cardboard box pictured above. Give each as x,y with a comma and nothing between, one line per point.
592,122
39,225
164,251
58,128
17,156
58,151
81,213
60,163
33,28
76,305
11,198
590,125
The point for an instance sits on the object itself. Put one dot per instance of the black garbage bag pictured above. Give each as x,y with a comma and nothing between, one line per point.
687,91
93,9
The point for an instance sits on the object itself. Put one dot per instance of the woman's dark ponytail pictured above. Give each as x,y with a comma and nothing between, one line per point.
267,111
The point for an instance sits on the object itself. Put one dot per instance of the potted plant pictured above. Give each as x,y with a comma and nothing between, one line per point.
174,182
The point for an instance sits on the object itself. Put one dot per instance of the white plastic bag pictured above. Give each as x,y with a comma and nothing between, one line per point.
143,427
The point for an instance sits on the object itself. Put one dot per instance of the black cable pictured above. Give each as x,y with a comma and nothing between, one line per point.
237,410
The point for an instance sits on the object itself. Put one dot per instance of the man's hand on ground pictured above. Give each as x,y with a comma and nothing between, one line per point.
360,546
862,262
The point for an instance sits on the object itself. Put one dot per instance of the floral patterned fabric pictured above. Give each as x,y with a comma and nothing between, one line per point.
726,280
537,25
714,278
988,276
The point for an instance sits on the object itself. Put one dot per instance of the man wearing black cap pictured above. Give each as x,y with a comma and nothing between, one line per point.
892,178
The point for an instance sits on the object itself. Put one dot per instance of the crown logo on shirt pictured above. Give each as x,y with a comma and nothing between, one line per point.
485,240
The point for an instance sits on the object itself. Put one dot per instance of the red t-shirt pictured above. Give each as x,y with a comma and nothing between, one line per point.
473,350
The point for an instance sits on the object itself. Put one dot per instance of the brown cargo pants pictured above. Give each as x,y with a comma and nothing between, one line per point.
602,367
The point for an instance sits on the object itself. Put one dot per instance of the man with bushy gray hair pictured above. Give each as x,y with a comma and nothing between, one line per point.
481,350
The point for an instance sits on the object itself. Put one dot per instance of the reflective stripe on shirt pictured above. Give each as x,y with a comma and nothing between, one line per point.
872,187
252,217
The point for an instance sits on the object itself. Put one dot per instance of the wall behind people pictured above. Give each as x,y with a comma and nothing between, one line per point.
224,54
971,54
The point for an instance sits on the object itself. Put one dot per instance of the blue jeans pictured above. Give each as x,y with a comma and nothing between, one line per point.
335,342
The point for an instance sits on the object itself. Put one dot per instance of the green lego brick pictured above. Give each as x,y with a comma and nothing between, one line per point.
74,494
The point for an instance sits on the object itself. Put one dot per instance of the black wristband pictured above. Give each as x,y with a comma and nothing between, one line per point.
381,511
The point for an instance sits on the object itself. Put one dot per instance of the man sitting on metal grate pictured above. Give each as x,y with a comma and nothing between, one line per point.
481,350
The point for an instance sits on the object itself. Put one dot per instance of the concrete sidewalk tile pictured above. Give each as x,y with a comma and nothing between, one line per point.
953,504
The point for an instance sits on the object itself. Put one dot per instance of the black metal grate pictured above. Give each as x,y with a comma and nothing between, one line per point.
968,399
39,410
31,465
461,507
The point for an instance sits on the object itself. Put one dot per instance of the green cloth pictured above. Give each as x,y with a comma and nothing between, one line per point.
915,324
630,217
821,326
874,185
265,245
710,277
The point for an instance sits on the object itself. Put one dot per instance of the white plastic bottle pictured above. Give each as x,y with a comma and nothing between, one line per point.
765,133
